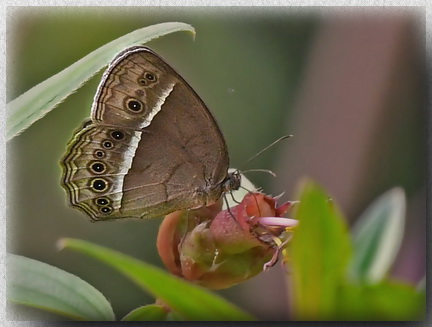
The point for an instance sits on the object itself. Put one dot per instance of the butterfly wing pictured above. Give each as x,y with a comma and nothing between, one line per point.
94,167
172,154
181,159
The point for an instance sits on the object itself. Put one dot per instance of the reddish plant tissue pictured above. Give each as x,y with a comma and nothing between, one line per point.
218,249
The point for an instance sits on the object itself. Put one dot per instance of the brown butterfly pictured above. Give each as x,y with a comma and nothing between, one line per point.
151,147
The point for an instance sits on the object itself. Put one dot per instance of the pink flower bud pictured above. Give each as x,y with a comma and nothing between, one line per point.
217,249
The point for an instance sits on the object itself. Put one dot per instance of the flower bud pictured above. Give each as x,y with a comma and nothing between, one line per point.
218,249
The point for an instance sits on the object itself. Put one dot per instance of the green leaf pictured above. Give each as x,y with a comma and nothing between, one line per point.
37,284
174,316
319,252
387,300
377,237
190,301
31,106
151,312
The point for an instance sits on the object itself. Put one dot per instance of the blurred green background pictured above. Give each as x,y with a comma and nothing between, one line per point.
349,87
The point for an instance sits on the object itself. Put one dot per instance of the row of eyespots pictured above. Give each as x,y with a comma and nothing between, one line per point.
103,203
98,167
134,104
147,79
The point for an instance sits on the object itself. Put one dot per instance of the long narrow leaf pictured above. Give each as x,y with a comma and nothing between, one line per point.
31,106
319,253
39,285
151,312
192,302
377,237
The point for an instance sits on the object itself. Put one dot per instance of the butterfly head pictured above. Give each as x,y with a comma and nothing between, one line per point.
232,182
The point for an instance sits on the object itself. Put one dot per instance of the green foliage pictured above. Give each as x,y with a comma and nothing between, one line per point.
330,274
42,286
151,312
26,109
190,301
319,254
336,278
377,237
384,301
39,285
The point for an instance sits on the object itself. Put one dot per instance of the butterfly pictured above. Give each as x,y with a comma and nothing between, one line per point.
151,146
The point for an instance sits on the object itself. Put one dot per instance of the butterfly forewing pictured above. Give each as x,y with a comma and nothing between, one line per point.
151,148
132,91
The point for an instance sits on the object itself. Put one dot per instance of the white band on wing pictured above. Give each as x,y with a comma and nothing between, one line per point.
158,105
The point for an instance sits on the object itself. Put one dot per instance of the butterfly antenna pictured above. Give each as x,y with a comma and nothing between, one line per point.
268,171
266,148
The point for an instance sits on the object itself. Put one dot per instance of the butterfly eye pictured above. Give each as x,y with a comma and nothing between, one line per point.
147,78
102,201
99,154
117,135
142,81
150,77
106,210
99,184
107,144
98,167
134,105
